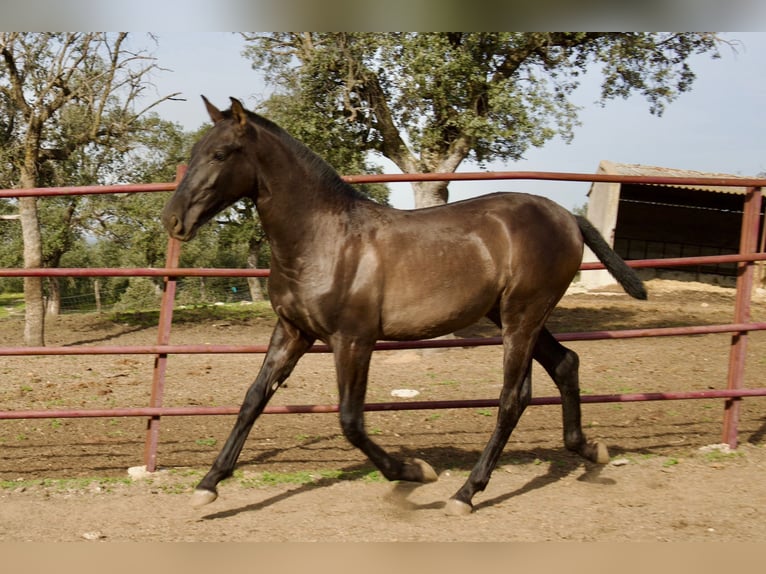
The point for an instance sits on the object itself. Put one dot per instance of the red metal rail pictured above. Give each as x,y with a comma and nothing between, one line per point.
399,406
239,272
740,327
209,349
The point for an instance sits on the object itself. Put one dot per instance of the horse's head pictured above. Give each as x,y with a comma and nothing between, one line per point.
220,172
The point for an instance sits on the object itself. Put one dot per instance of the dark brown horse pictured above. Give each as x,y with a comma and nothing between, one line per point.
348,271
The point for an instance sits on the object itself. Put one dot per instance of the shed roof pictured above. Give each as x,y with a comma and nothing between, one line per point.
615,168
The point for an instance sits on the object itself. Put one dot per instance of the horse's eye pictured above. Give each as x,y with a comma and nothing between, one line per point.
219,155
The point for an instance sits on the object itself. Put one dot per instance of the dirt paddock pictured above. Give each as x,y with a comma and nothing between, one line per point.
298,479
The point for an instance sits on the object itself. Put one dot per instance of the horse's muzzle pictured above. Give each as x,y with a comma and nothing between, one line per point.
175,226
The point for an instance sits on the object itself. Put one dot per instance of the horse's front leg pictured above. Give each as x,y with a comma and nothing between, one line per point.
352,362
287,345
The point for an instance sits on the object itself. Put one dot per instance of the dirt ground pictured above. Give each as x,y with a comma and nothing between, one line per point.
298,479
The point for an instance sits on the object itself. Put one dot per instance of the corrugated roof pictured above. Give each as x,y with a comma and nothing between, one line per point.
615,168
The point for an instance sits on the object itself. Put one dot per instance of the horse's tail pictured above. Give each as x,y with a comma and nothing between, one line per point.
625,275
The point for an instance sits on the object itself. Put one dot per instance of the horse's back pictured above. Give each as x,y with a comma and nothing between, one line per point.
511,228
451,264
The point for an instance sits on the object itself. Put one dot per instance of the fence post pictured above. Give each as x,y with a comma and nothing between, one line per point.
163,338
751,217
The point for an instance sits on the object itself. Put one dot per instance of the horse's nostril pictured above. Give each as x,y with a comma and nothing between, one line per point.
175,224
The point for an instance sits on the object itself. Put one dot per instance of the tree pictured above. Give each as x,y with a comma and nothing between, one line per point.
62,93
428,101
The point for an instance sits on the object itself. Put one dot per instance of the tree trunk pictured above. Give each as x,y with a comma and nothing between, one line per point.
34,326
97,293
202,290
254,283
53,308
430,193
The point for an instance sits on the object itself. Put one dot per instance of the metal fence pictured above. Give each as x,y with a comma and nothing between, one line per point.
162,350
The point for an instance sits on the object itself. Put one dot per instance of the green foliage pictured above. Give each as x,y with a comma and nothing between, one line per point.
69,116
334,139
10,299
427,101
141,293
581,209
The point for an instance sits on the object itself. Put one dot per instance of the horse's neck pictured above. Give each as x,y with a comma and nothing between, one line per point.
297,201
295,213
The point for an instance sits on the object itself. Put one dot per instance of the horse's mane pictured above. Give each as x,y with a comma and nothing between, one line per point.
326,173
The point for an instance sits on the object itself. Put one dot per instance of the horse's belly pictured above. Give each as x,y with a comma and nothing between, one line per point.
435,289
434,313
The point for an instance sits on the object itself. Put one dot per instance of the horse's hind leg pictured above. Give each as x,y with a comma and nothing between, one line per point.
562,365
352,362
287,345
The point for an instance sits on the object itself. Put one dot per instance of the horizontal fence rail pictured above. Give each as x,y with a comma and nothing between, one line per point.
213,349
739,328
239,272
378,407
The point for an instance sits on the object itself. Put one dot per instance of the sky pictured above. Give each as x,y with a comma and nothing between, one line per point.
717,127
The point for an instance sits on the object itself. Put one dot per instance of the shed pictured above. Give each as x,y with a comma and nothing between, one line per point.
648,221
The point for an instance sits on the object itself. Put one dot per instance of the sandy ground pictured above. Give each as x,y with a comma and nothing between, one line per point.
298,480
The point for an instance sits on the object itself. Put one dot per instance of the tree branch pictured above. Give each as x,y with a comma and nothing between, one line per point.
17,82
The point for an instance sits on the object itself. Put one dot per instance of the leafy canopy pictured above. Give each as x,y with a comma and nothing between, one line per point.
427,101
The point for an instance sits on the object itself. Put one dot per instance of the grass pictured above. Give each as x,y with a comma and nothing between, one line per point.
183,480
64,484
718,456
205,442
11,303
449,383
264,479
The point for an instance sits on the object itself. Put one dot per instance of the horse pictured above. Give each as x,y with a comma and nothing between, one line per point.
348,271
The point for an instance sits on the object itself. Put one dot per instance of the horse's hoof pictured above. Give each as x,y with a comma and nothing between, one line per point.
201,497
455,507
596,451
419,471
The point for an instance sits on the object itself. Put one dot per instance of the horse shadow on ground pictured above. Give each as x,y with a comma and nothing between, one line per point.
324,482
560,464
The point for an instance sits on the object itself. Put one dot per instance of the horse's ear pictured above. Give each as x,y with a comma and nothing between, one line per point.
239,113
215,113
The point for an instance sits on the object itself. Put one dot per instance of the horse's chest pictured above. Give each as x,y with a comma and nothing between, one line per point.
319,297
